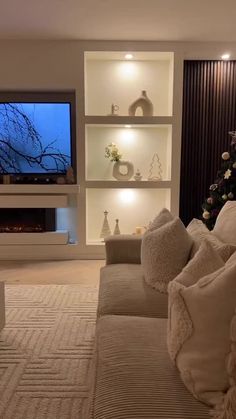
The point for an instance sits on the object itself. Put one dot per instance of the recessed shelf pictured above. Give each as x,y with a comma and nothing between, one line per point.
111,79
148,147
133,120
133,207
164,184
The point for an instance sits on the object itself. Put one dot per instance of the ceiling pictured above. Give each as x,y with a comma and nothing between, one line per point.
157,20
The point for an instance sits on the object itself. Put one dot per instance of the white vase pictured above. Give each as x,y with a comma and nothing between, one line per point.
120,175
142,102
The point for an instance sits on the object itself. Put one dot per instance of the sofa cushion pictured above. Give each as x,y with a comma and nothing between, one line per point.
162,218
134,377
225,226
208,309
123,290
164,253
180,326
200,232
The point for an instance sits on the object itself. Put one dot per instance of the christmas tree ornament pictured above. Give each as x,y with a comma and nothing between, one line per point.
225,155
206,215
230,195
105,227
155,171
210,200
234,165
117,229
227,174
213,187
224,197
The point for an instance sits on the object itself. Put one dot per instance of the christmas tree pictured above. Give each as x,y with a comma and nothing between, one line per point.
224,187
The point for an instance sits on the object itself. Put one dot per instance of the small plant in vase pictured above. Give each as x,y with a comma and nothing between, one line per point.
112,153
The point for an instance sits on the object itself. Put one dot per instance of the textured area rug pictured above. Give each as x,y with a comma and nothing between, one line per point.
45,351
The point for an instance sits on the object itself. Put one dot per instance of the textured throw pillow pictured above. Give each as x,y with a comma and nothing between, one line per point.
199,232
225,226
205,261
164,253
162,218
206,357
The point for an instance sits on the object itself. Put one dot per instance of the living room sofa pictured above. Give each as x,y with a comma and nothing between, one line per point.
132,375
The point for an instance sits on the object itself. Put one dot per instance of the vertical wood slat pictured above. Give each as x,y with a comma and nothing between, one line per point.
209,113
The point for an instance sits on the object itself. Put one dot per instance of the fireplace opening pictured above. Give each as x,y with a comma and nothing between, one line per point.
27,220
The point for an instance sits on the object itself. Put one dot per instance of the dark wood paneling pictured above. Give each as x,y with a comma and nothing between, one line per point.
209,113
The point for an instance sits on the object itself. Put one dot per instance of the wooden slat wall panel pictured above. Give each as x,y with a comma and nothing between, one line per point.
209,113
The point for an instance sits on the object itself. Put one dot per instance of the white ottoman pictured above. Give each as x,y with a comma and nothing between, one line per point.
2,306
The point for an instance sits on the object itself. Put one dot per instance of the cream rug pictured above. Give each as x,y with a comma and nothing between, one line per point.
46,350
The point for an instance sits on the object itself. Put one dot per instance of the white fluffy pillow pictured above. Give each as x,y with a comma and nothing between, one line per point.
225,226
199,232
164,253
162,218
207,353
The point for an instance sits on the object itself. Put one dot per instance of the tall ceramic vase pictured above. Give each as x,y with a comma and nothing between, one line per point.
142,102
120,175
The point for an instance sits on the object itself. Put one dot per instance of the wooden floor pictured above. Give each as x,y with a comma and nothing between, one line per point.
85,272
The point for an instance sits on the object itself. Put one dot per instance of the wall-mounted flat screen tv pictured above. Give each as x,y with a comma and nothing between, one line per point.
37,132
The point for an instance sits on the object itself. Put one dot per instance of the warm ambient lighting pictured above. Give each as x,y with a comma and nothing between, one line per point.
127,196
127,126
225,56
129,56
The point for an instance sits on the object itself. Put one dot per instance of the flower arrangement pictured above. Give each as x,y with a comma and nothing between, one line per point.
112,152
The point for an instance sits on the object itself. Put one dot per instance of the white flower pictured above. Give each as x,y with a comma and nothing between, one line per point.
227,174
225,155
112,152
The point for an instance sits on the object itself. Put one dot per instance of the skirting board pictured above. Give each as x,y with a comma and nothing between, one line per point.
48,237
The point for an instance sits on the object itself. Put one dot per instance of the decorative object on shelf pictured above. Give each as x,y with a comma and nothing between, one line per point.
117,229
6,179
117,174
70,178
155,171
112,152
142,102
105,227
138,230
138,175
61,180
114,110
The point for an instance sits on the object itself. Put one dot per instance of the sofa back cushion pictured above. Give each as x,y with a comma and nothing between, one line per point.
225,226
199,232
162,218
164,253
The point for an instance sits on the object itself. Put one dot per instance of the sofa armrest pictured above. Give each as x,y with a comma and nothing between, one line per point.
123,248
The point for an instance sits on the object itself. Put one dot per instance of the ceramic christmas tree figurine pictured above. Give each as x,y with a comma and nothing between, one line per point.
224,187
105,227
117,229
155,171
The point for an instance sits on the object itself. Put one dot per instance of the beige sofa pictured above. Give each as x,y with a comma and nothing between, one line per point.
132,375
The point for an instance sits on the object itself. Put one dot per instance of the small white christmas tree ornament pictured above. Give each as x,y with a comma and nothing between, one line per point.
117,229
155,171
105,227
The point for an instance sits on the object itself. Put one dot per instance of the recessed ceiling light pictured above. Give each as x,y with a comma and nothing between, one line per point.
225,56
129,56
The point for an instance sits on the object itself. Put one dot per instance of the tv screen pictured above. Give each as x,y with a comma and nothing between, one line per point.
35,137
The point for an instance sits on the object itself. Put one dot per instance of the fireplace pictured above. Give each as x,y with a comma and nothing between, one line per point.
27,220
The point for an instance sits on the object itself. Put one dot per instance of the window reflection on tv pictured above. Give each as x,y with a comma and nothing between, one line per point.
35,138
